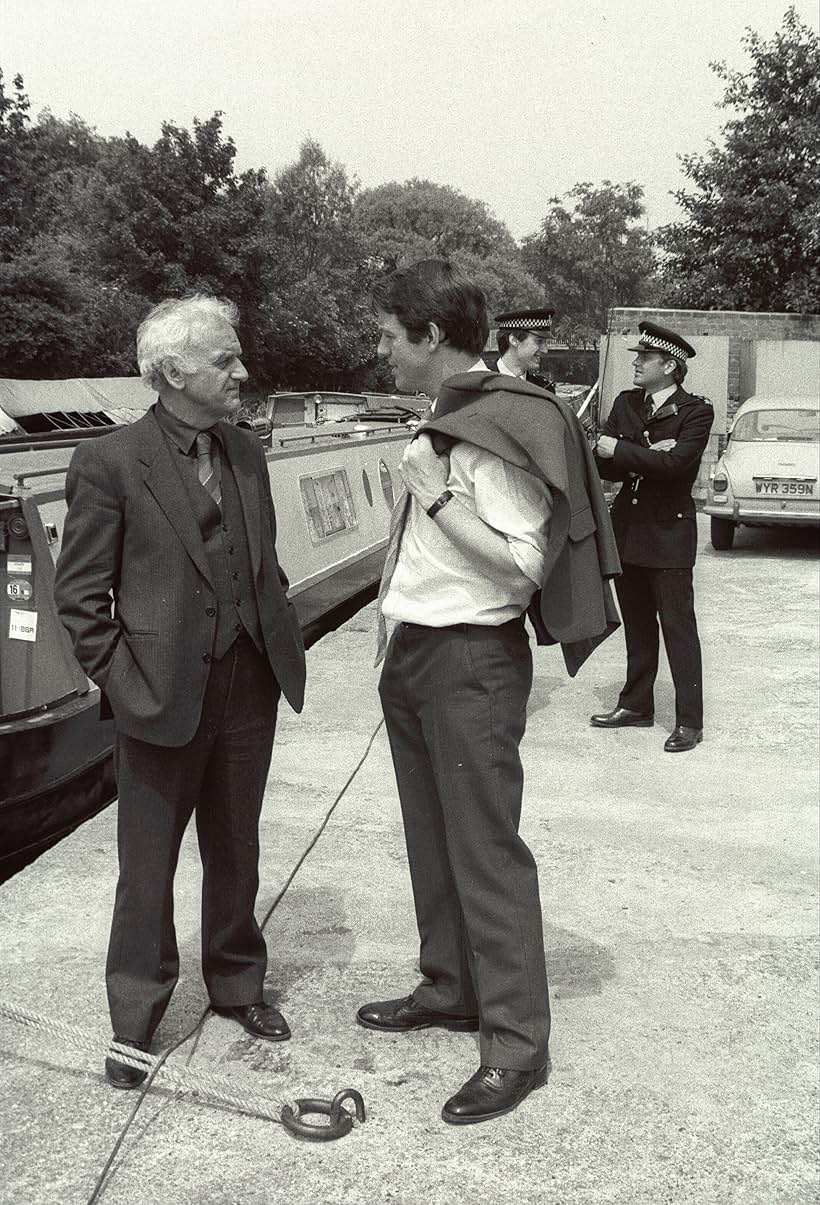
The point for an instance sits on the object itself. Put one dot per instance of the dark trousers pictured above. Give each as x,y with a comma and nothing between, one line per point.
455,703
646,595
220,775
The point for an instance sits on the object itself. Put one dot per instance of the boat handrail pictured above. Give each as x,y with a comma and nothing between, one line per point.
19,478
43,441
309,435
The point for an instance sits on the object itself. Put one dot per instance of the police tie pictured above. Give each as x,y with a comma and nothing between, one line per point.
398,518
205,467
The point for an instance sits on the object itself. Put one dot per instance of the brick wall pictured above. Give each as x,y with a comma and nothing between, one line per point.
723,322
743,330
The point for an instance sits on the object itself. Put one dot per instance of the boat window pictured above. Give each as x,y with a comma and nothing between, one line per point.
386,482
368,493
763,426
63,420
328,504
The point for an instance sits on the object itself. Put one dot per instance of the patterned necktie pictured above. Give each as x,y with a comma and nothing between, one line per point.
205,467
398,518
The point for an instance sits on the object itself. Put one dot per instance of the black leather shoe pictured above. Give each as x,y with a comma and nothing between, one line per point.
260,1019
492,1092
623,717
683,738
120,1075
402,1016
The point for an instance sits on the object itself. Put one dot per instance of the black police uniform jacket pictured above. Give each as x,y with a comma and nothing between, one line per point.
653,515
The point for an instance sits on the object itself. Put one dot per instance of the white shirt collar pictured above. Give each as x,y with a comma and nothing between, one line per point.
502,368
506,371
663,395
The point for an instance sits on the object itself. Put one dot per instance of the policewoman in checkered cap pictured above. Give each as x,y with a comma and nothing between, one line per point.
523,337
653,441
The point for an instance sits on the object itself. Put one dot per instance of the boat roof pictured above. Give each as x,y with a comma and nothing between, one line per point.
124,398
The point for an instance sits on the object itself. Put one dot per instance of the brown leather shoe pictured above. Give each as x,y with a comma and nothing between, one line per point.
260,1019
403,1016
120,1075
492,1092
682,739
623,717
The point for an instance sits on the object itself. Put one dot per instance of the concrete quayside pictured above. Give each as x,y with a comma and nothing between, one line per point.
679,897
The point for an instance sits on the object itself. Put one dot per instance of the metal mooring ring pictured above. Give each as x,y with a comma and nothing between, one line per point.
341,1122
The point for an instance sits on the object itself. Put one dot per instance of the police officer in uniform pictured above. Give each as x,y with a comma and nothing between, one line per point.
653,441
523,336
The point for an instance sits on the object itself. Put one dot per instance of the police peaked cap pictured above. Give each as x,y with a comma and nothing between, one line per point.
539,322
660,338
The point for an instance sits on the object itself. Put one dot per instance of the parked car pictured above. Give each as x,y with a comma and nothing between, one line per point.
768,473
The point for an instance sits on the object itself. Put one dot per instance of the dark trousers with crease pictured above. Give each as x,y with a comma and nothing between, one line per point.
220,776
454,702
646,596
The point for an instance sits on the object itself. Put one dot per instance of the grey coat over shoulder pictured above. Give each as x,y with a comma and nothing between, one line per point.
530,428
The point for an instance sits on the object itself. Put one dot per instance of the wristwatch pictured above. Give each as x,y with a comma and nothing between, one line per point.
441,501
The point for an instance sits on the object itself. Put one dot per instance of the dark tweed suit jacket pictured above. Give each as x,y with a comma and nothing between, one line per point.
130,534
530,428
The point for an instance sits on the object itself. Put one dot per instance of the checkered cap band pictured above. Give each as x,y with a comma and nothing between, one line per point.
654,343
521,324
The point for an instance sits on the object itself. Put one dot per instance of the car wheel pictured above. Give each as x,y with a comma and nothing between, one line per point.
723,533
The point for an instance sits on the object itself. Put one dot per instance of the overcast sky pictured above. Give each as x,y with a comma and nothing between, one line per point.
511,103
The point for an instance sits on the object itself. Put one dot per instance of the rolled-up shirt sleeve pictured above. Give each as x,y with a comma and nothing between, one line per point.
508,499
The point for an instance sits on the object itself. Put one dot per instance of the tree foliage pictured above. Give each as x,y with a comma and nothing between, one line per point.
318,326
402,223
175,216
432,218
592,255
16,151
750,237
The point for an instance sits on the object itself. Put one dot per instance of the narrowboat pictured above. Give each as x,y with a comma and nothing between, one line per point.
333,463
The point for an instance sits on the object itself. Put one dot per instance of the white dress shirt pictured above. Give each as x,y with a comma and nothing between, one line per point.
437,585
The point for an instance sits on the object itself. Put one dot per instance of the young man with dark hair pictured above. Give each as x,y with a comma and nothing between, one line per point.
433,291
472,540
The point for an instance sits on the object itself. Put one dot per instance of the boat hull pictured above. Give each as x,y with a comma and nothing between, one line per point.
333,498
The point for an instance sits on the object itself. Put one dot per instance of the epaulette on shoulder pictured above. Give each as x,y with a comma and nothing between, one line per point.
697,397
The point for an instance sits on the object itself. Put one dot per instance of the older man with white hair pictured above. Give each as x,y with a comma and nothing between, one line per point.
171,520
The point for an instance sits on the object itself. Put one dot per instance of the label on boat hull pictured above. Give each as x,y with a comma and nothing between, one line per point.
22,625
19,591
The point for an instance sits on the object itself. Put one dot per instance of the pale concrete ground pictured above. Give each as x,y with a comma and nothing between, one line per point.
680,911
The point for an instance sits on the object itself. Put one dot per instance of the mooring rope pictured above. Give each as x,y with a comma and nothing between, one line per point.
210,1089
234,1093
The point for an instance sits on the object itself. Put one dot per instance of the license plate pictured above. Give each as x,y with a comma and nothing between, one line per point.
786,489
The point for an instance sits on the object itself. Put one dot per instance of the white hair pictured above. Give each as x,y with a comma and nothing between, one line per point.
172,327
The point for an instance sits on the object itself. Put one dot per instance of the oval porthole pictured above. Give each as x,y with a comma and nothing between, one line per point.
368,493
386,482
